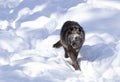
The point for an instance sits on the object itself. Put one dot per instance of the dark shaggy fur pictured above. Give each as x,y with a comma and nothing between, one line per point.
72,37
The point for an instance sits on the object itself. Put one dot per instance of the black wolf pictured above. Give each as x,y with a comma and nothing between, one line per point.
72,37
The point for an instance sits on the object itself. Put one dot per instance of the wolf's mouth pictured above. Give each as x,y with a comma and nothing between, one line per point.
74,45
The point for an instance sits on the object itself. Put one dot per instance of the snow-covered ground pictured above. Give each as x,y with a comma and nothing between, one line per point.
29,28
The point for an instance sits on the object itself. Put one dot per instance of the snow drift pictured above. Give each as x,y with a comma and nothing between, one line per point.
26,53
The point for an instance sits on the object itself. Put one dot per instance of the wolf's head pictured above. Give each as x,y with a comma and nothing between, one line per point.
75,37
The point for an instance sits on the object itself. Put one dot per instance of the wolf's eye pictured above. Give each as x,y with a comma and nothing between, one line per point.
69,32
77,38
78,32
71,28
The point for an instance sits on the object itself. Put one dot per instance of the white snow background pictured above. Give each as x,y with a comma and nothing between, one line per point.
29,28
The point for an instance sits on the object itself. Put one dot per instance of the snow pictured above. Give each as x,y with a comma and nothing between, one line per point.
29,29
